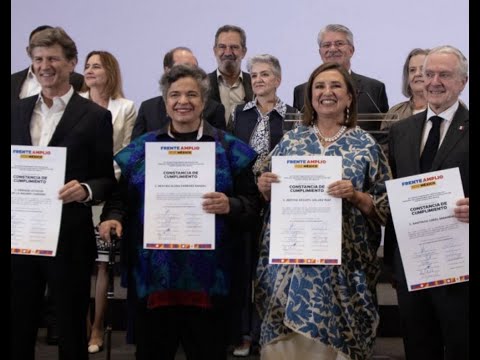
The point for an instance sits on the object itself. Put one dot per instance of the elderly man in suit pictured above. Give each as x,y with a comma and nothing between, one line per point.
335,44
59,117
229,84
152,114
24,83
435,321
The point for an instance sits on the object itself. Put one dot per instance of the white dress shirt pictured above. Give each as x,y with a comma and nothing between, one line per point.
447,117
45,119
30,86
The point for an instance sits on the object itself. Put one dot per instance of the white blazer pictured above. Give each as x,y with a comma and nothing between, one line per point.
124,115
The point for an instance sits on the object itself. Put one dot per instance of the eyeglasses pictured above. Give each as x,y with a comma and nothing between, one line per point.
224,47
443,75
337,44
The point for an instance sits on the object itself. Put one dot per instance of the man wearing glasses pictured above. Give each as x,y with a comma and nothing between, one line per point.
335,43
229,84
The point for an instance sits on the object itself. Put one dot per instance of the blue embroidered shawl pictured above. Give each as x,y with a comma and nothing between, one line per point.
163,270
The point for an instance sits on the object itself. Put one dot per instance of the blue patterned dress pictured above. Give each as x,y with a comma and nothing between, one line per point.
335,305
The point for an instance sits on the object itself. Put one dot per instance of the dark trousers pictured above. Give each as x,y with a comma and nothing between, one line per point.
435,322
241,305
201,332
49,310
243,315
69,285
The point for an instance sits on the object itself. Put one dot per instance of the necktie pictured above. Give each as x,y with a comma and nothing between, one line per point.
431,146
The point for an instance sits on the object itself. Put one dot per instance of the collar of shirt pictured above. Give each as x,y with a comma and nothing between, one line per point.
59,102
280,107
220,76
30,86
205,129
85,94
446,115
31,75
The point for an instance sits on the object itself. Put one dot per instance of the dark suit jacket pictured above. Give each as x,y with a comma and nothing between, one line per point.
152,115
404,156
246,121
85,129
215,92
18,78
372,97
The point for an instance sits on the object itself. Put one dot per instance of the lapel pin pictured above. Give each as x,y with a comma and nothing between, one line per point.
460,127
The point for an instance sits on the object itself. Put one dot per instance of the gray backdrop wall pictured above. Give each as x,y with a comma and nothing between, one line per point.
139,33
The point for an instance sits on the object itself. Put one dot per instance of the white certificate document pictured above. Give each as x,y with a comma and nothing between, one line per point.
432,242
177,175
306,223
37,175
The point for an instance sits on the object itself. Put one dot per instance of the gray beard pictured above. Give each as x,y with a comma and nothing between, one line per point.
230,67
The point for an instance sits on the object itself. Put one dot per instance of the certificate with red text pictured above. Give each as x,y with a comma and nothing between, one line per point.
177,175
433,243
306,222
37,175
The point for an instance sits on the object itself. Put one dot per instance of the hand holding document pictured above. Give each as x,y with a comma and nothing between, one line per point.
306,222
433,243
177,175
37,174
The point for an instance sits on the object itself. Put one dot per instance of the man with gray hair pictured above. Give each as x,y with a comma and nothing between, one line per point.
335,43
435,320
229,84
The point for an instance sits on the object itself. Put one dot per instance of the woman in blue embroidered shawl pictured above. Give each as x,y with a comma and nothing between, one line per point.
182,293
328,311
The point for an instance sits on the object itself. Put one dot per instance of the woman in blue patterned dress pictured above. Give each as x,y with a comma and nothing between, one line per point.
182,294
328,311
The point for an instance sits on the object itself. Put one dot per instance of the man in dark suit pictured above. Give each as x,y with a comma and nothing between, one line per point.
152,114
434,320
24,83
229,84
59,117
335,43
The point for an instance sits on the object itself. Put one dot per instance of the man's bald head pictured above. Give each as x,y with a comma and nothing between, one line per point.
179,55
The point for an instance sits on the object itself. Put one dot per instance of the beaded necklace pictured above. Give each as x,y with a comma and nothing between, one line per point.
324,139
